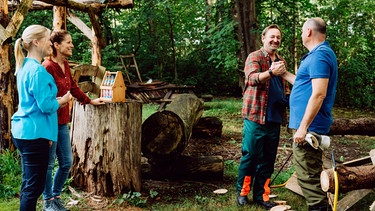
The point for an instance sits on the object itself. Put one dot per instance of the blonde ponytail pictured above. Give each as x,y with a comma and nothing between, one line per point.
18,54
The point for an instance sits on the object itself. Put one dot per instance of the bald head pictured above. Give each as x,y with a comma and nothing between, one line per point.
316,24
313,32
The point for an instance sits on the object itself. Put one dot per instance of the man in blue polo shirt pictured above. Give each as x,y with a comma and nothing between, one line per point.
311,103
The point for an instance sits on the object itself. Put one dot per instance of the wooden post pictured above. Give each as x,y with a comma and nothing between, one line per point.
8,91
59,18
106,144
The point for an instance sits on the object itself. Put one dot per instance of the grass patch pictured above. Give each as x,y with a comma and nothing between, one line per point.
11,204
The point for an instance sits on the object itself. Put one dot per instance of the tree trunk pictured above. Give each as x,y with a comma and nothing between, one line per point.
350,178
171,38
246,32
360,126
106,147
187,167
165,134
8,99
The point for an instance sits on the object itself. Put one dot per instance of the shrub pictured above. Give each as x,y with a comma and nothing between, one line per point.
10,173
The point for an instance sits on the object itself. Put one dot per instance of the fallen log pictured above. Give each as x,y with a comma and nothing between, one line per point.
208,127
350,178
360,126
186,167
165,134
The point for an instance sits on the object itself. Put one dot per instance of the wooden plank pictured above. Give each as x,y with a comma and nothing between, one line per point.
167,96
80,24
351,198
372,155
292,184
358,162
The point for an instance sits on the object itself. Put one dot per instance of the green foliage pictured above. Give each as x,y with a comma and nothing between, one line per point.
358,92
187,42
148,110
351,36
231,169
133,198
11,204
10,174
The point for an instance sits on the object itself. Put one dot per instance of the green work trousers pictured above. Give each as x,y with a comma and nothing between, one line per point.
259,148
308,165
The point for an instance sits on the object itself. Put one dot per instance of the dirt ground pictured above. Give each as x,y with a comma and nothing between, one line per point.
229,148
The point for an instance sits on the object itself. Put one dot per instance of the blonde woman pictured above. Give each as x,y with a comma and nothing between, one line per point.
34,125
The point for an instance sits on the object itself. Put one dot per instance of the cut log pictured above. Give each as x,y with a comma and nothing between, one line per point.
281,208
106,147
360,126
208,127
187,167
165,134
350,178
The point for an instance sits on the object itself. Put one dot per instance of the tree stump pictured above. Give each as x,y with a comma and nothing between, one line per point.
165,134
106,145
350,178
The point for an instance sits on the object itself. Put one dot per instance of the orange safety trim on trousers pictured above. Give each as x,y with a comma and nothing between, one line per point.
246,186
267,190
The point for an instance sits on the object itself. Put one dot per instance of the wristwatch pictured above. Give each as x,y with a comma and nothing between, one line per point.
270,72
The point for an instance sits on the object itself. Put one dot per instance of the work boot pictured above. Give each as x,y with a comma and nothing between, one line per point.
242,200
266,204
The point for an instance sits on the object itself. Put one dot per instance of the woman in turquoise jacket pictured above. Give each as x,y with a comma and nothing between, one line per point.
34,125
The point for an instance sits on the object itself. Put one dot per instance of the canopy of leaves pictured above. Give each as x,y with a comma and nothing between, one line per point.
193,42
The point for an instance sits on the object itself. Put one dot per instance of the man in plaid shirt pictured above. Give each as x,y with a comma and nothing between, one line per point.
263,110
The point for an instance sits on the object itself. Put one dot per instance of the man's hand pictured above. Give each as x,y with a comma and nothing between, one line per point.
299,136
278,68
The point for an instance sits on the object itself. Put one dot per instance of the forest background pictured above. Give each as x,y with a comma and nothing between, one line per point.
197,42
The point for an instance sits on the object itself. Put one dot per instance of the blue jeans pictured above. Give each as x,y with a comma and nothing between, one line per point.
63,150
34,158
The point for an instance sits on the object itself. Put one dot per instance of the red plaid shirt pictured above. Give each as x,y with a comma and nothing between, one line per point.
65,83
255,96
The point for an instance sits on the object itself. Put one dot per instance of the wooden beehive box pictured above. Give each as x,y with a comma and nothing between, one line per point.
113,87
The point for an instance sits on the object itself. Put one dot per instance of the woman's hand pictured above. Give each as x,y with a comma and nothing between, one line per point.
97,101
64,100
